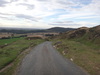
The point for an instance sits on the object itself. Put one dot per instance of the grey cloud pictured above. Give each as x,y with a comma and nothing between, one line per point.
64,23
6,18
68,4
19,16
42,0
65,2
29,6
27,17
5,14
3,3
13,1
3,17
68,21
61,22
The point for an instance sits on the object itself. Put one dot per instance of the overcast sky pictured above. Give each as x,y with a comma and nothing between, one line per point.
49,13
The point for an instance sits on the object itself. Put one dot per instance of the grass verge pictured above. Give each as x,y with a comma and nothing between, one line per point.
11,52
83,55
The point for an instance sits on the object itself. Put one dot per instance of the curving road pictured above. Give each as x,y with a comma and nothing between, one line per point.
45,60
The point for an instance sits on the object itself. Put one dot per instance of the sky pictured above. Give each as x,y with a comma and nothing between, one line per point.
49,13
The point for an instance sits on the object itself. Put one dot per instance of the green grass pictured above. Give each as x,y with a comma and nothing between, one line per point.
93,42
9,53
8,41
82,54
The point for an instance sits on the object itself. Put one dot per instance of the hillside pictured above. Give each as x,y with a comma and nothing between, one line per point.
84,34
82,46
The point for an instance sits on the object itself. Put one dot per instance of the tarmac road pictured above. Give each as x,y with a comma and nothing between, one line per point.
45,60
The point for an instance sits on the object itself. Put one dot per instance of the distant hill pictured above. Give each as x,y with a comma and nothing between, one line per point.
83,34
59,29
21,31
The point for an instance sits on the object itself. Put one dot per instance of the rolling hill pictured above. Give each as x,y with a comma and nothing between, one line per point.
21,31
82,46
83,34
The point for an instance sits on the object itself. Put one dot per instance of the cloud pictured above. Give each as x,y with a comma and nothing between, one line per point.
64,23
86,24
67,3
90,10
50,12
74,15
60,4
42,0
29,6
3,3
3,17
89,17
13,0
27,17
5,14
92,7
73,24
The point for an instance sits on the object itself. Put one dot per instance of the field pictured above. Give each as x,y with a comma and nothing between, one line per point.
16,46
8,41
86,55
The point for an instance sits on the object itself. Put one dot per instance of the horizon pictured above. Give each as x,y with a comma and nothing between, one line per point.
31,28
44,14
42,28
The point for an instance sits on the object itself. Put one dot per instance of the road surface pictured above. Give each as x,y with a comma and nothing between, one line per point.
45,60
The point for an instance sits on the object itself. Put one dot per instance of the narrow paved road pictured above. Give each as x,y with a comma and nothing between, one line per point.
45,60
